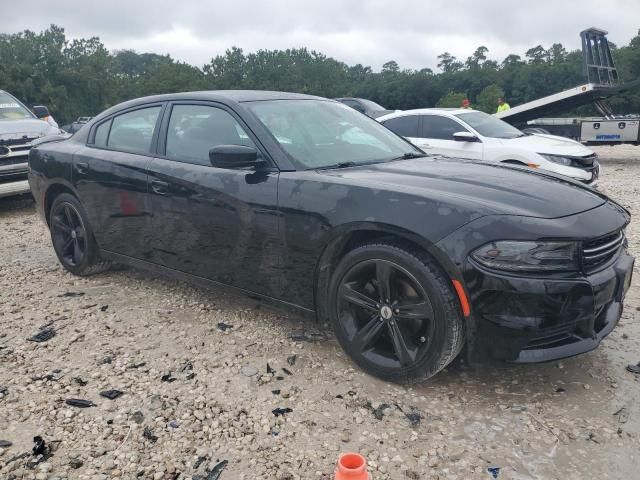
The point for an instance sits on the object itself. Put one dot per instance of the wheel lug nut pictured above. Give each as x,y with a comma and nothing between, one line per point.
423,339
397,310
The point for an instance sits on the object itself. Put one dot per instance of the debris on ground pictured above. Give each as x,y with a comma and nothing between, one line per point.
71,294
249,371
104,308
622,414
494,471
281,411
174,424
378,412
136,365
41,451
286,370
79,402
43,335
199,462
80,381
292,360
75,463
138,417
269,369
148,434
5,443
167,378
223,327
214,473
414,416
111,394
634,368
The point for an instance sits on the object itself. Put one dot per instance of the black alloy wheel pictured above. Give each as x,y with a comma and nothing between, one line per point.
385,313
72,237
394,312
68,233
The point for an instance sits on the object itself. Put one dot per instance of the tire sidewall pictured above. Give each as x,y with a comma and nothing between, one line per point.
432,362
91,253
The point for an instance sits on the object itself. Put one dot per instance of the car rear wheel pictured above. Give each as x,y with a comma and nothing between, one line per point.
72,237
394,312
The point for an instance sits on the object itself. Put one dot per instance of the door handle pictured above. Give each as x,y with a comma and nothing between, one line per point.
161,188
82,167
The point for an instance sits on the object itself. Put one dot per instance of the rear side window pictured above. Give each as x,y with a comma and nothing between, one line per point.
403,126
439,128
102,133
133,131
353,104
195,129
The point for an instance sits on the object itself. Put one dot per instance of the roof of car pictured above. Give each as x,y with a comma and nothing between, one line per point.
426,111
234,95
223,96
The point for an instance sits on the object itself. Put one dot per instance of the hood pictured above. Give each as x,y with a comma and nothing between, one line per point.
551,144
31,127
485,187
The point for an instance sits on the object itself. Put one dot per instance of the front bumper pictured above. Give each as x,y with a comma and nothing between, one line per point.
525,320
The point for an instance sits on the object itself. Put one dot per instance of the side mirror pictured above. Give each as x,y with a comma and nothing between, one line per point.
234,156
40,111
465,137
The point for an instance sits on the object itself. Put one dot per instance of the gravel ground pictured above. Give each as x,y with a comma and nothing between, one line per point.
202,371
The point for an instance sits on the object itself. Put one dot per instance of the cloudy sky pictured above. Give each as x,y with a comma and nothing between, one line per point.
412,32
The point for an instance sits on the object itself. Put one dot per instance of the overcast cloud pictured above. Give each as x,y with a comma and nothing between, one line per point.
412,32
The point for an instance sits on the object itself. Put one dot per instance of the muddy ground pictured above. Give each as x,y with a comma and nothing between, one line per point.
192,366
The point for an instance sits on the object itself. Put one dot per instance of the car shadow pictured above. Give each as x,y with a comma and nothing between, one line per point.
17,203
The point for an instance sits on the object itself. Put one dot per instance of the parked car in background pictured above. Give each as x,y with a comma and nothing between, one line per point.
75,126
466,133
19,129
369,108
307,203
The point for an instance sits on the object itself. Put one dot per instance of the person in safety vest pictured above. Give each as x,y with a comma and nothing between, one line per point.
502,105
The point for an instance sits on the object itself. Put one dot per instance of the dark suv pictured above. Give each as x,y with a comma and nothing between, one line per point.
305,202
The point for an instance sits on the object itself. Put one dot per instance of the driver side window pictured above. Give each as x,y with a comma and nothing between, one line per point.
439,128
195,129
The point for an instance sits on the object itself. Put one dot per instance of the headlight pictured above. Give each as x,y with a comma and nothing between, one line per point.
566,161
524,256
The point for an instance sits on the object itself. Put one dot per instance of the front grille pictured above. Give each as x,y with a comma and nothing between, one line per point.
599,252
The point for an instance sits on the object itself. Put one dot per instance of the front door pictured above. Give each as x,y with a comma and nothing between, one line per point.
436,136
110,176
219,224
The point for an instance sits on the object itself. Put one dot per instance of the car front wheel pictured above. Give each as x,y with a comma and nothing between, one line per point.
394,312
72,237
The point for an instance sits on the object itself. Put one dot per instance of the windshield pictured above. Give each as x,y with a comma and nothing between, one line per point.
11,109
318,133
489,126
371,105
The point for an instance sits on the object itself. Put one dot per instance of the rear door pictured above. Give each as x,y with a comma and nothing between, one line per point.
406,126
220,224
110,175
436,136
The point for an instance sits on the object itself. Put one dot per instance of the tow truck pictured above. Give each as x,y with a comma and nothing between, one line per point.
602,82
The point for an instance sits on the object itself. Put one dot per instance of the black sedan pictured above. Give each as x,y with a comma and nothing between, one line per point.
307,203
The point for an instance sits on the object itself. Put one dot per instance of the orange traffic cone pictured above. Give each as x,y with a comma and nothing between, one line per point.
352,466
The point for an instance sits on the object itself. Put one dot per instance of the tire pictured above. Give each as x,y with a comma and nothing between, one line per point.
408,337
72,237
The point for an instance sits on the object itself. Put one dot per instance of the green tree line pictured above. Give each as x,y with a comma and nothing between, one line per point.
81,77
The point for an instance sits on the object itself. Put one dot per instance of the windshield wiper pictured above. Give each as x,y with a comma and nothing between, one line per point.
410,155
340,165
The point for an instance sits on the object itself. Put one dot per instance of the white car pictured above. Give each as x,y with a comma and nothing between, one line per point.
467,133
